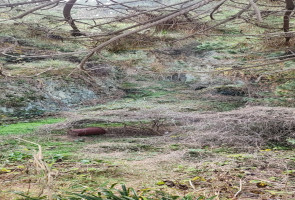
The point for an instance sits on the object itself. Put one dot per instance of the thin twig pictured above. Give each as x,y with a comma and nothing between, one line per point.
240,189
192,185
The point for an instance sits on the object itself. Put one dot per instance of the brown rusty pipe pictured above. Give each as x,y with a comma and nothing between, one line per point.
87,131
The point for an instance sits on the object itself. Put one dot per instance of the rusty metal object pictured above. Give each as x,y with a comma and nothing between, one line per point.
87,131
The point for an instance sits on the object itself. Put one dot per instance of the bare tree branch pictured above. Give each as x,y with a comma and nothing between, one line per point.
21,3
35,9
222,22
180,12
216,8
256,10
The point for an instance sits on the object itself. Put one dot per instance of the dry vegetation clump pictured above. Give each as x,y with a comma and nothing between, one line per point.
276,42
250,127
181,23
134,41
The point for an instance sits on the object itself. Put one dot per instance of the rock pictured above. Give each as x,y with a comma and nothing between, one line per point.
87,131
55,37
200,87
169,183
181,77
231,91
190,78
175,77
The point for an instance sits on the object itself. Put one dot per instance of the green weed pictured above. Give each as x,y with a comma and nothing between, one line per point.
127,85
144,93
18,156
287,89
124,193
174,147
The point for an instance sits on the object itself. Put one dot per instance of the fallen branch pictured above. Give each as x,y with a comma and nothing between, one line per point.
256,10
216,8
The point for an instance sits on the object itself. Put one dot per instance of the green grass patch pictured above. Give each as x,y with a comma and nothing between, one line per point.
128,85
145,93
27,127
53,150
213,106
43,64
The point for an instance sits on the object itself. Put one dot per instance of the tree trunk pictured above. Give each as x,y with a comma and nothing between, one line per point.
67,15
289,7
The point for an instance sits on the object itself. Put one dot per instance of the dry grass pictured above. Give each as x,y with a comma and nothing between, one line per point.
247,128
276,43
183,23
42,172
272,42
144,161
134,41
